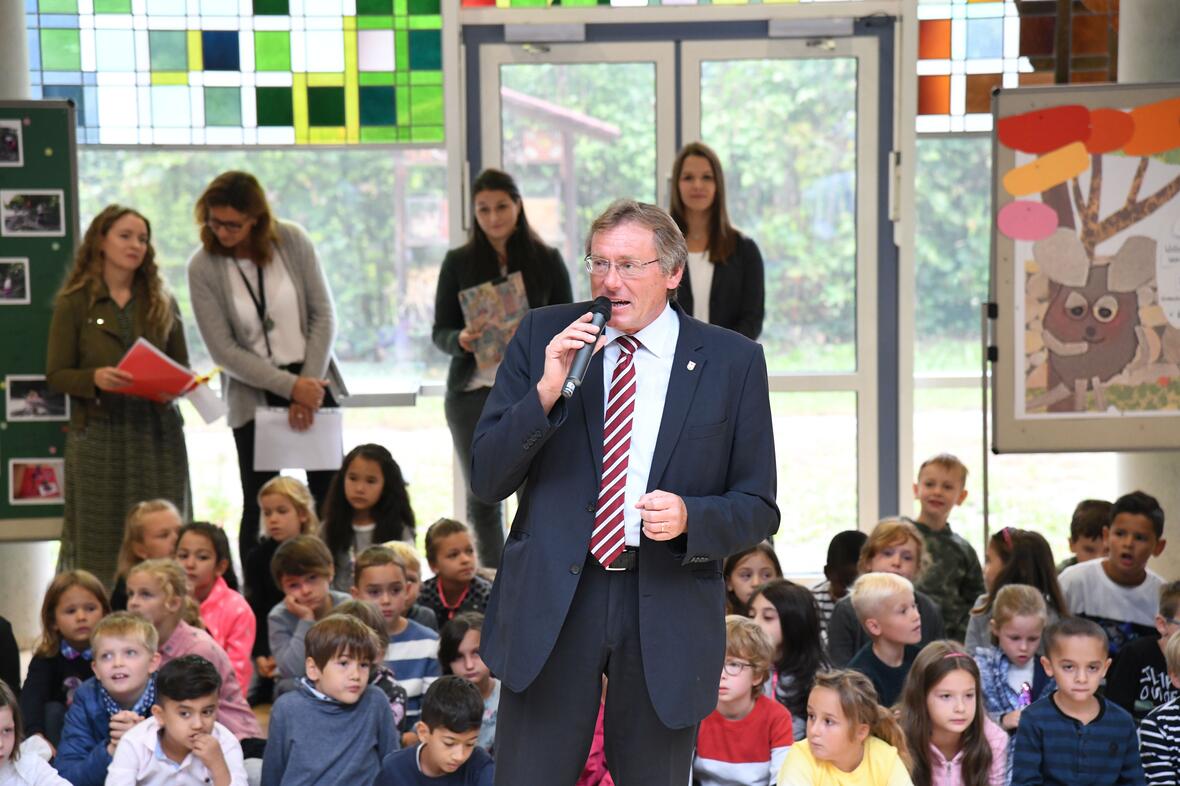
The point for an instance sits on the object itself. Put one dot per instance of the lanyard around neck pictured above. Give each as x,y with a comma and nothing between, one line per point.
259,302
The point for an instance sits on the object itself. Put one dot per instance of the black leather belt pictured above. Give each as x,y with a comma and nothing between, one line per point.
628,560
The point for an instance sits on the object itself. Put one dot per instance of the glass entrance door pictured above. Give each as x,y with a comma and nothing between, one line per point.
794,124
578,125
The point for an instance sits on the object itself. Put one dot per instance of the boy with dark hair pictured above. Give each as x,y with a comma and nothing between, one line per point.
1119,592
1072,736
1087,532
452,711
1139,679
954,579
303,569
840,571
182,743
334,728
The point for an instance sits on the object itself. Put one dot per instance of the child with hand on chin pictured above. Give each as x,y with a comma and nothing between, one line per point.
183,728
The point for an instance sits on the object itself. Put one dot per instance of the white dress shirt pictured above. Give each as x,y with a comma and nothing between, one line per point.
653,367
140,761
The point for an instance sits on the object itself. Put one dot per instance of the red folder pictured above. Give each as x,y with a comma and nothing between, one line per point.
154,375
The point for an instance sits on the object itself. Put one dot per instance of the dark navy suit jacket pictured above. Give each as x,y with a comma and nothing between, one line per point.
715,449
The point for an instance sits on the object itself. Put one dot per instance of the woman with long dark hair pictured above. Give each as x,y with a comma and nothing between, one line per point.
723,283
266,315
120,449
500,243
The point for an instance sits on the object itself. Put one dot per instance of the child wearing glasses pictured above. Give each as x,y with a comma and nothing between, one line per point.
745,740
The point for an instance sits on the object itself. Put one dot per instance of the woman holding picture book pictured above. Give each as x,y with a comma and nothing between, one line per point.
501,247
120,449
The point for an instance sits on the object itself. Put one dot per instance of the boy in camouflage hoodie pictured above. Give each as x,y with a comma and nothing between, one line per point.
954,579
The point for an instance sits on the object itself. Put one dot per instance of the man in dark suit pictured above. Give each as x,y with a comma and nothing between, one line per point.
616,569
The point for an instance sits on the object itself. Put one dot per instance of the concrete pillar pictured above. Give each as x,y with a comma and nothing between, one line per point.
26,568
1148,32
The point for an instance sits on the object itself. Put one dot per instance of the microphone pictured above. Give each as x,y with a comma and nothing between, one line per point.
600,312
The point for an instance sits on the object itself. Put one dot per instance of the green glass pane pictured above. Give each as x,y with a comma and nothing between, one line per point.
379,134
325,106
169,50
271,7
58,6
112,6
426,106
403,106
401,50
274,106
376,78
374,7
425,22
423,7
426,78
272,50
427,134
374,22
223,106
425,50
399,7
60,50
377,106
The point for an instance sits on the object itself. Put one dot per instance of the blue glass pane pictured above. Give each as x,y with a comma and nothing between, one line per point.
985,38
220,50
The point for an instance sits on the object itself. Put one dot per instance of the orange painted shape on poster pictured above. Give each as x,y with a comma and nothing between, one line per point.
1157,128
1047,171
1043,130
1110,129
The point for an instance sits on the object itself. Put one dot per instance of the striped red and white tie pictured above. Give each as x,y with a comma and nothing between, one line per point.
608,539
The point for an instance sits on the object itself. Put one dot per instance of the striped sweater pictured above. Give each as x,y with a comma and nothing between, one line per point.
1159,744
413,657
745,752
1053,749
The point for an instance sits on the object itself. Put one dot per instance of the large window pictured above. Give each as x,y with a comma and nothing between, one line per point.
1030,491
378,218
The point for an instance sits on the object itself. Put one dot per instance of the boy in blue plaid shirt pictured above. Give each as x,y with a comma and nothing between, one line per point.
1071,736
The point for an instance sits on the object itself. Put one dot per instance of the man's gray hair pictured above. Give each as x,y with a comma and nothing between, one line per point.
670,245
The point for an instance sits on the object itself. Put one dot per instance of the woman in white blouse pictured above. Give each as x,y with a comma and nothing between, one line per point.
265,312
723,281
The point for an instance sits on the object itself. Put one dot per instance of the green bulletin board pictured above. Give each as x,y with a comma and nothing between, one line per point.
38,233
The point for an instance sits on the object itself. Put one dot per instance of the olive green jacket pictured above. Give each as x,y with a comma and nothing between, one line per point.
84,336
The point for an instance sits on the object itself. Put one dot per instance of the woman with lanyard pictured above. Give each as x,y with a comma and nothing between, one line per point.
120,449
501,242
723,281
264,310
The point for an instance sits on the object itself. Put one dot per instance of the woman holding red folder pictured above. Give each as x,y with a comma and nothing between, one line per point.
120,449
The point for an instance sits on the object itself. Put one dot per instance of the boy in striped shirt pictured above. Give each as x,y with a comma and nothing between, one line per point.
379,576
1159,733
1071,737
746,739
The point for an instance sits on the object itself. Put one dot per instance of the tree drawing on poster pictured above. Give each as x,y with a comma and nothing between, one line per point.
1096,225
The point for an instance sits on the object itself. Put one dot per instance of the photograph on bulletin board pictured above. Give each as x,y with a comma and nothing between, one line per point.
36,481
32,213
14,281
11,143
27,398
1094,217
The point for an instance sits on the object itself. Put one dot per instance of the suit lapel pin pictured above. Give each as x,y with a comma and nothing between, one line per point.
691,365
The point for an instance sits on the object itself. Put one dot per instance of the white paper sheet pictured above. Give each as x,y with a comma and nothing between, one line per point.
277,446
207,403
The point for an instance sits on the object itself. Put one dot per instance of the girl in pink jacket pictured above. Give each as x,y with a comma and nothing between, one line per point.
950,738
